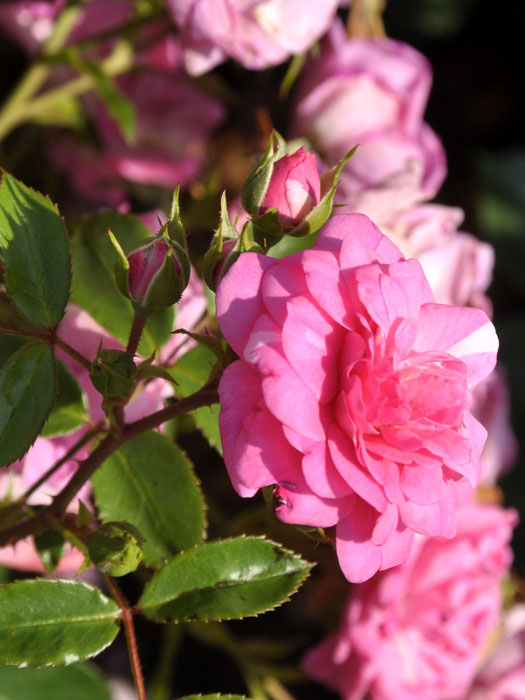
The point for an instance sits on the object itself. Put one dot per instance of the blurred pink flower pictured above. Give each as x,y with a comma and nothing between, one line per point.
173,120
491,407
371,92
418,632
257,33
502,675
352,392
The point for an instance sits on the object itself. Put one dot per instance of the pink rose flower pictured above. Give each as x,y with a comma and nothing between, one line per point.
352,392
294,188
257,33
418,632
491,407
173,121
502,676
371,92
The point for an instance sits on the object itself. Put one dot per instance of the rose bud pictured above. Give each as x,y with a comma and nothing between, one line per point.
285,193
226,246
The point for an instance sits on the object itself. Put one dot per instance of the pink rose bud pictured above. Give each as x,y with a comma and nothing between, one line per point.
294,188
156,278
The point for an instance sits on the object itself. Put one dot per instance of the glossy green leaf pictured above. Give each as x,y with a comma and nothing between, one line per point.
49,622
35,251
70,411
191,372
27,394
78,682
149,482
223,580
9,344
94,287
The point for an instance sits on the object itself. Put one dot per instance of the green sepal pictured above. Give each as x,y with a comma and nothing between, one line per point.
121,266
146,371
174,226
256,186
113,373
116,548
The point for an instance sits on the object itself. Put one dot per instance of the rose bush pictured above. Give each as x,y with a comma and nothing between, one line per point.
257,34
418,632
352,392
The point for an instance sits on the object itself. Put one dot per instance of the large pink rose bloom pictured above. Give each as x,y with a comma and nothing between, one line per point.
418,632
352,392
371,92
257,33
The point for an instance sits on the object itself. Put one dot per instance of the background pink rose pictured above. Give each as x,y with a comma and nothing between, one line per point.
371,92
257,33
418,632
352,392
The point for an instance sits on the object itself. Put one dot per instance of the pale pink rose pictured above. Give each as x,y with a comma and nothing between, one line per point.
257,33
370,92
457,265
31,23
418,632
294,188
352,392
173,120
502,676
23,556
492,408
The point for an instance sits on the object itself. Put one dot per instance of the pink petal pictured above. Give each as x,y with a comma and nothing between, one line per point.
463,332
282,282
321,475
311,344
397,548
325,284
432,519
358,557
239,301
256,452
301,506
421,485
343,453
285,395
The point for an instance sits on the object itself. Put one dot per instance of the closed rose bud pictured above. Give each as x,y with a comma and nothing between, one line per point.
294,188
158,273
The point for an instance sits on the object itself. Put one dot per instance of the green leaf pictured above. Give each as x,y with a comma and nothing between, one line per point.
70,411
48,622
223,580
27,394
9,344
214,696
149,482
191,372
94,287
35,250
79,682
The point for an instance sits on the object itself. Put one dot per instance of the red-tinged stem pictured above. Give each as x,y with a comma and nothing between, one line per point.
135,334
204,397
77,356
131,638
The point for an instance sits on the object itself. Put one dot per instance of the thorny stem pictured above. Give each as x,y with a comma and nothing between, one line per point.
204,397
135,334
131,638
54,340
